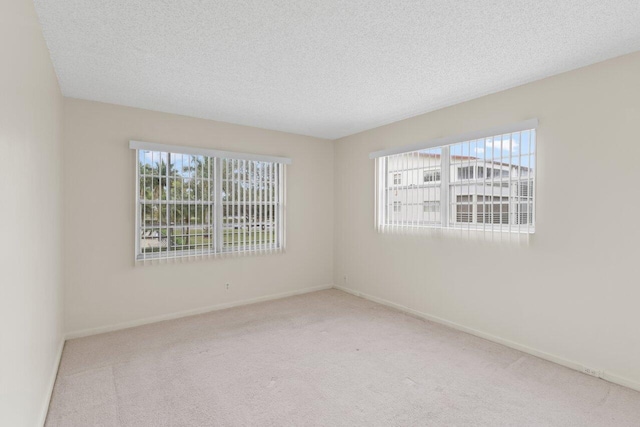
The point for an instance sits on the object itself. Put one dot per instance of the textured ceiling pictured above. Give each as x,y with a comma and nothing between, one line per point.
326,68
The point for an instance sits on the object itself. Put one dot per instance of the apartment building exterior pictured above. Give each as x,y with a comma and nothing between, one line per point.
477,192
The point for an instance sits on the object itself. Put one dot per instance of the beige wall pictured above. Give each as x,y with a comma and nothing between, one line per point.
30,217
573,290
104,288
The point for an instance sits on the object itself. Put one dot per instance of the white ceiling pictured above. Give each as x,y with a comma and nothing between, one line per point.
326,68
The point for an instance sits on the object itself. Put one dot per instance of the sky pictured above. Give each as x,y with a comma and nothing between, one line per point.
511,148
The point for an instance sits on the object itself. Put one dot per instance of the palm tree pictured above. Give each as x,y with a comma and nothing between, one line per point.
153,188
153,180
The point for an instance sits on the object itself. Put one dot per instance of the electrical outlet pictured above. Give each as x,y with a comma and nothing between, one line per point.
593,372
226,286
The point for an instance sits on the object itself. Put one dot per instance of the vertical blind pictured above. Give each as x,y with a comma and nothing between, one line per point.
198,203
486,183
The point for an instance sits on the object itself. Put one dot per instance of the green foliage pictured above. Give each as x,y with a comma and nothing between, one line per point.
179,190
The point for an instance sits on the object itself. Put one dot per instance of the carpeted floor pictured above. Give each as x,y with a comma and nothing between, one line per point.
326,358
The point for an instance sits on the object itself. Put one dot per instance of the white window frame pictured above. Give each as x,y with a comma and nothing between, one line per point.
216,246
386,222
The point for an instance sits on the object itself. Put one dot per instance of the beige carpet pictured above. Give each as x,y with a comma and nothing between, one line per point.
326,358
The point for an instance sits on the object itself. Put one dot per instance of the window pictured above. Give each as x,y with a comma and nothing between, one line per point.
504,171
431,176
195,202
481,183
397,179
465,172
430,206
525,189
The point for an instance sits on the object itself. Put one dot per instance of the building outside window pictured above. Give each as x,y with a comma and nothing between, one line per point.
481,183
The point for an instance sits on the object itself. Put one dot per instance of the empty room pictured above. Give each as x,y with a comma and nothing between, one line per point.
319,213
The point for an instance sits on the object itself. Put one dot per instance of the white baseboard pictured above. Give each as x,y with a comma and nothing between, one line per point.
192,312
616,379
52,382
